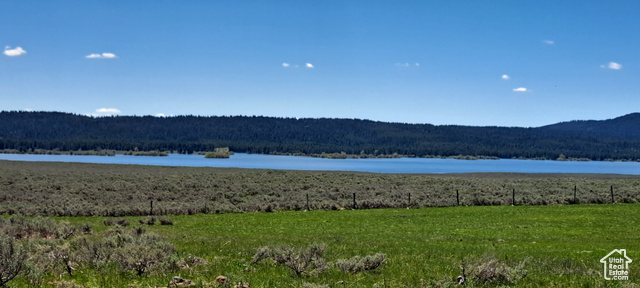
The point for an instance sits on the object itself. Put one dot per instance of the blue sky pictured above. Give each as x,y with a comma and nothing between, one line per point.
505,63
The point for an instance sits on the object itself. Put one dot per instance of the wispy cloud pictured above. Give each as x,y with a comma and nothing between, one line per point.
612,66
520,89
407,64
548,42
289,65
105,55
505,77
14,52
106,112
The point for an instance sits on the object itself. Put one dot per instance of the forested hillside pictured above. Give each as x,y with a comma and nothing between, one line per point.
625,127
597,140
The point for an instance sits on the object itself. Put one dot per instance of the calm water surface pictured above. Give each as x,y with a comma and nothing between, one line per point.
399,165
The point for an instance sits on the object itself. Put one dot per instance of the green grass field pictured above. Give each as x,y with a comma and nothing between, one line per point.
562,244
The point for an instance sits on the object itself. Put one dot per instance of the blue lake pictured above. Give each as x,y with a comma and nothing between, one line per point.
398,165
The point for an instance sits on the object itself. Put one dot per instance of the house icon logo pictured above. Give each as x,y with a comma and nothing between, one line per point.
616,265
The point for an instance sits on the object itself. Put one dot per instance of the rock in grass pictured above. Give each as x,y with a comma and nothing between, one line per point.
178,281
221,279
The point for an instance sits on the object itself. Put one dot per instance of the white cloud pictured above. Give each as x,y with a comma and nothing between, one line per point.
407,64
107,112
520,89
308,65
614,66
106,55
285,65
505,77
14,52
548,42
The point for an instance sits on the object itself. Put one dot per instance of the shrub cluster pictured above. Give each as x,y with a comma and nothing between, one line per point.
119,222
19,227
128,249
359,264
12,259
300,260
163,220
492,270
310,260
48,247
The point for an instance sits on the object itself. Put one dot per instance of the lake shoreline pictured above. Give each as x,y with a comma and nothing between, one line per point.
484,175
334,156
385,166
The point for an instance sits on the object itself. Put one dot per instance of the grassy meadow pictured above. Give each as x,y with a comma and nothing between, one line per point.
558,246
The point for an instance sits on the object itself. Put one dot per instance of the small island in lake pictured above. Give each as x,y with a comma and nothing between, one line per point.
219,153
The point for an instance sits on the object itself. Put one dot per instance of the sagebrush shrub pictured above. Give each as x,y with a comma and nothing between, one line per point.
358,263
86,228
261,254
301,260
128,249
143,253
165,221
119,222
12,259
148,221
491,270
20,227
93,253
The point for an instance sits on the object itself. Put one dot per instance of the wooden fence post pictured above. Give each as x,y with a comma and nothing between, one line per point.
308,209
612,199
457,198
575,193
151,211
409,199
354,200
513,197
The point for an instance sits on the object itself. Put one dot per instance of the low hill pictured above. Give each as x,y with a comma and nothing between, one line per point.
596,140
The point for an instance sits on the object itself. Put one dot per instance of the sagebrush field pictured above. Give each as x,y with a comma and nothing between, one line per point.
74,189
102,236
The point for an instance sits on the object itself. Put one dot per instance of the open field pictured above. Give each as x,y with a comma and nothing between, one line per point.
532,246
72,189
556,246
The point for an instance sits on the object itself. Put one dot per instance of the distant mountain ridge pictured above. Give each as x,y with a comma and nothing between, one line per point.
617,138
